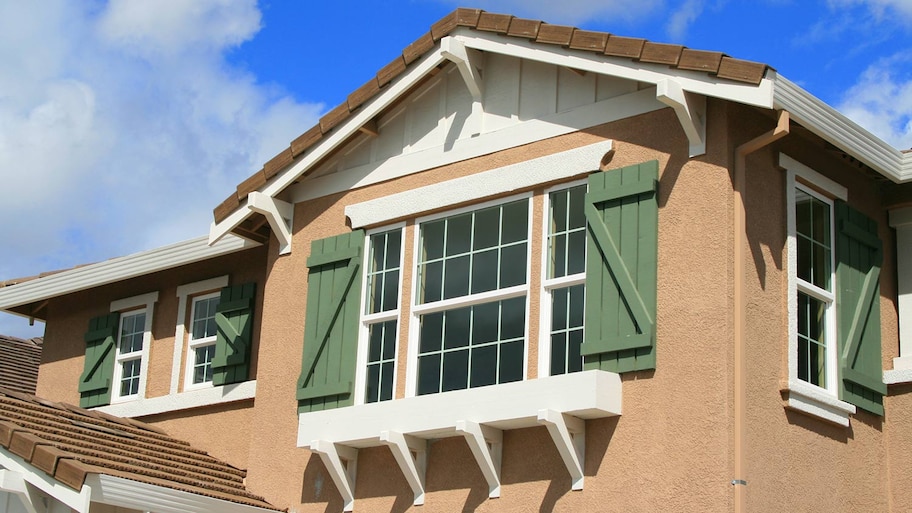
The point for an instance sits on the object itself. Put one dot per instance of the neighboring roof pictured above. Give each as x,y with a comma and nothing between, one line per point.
19,361
70,444
678,57
23,291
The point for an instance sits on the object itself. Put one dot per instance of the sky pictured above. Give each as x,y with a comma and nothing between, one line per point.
123,123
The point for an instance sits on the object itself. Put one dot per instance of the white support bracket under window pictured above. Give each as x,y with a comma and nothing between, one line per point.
411,455
569,435
14,483
341,461
486,444
690,109
280,215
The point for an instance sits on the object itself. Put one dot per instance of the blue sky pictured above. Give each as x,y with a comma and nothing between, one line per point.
124,122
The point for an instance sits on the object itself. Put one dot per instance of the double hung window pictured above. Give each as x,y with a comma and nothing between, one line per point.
201,342
128,363
382,314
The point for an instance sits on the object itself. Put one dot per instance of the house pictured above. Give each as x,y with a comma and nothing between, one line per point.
528,266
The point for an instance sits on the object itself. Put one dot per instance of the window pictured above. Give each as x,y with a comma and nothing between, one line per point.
564,281
381,314
133,339
201,340
471,298
834,259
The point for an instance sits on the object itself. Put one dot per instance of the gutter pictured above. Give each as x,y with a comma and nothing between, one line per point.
740,307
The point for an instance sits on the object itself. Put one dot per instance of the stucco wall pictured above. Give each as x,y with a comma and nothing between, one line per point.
669,450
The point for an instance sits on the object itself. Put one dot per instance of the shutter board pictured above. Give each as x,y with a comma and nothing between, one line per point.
331,323
859,255
95,381
234,334
621,271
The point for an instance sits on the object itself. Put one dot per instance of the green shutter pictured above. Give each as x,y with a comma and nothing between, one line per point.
331,324
859,255
95,382
621,269
234,334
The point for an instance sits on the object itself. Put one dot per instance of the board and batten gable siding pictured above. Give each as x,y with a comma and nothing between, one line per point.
439,113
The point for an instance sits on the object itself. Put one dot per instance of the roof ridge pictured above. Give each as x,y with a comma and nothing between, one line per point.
602,43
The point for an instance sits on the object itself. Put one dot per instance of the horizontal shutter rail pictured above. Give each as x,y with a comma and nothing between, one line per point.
329,389
862,235
592,347
234,305
316,260
863,380
100,334
632,189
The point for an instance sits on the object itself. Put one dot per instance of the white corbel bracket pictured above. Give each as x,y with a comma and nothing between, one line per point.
486,444
569,435
279,214
411,455
468,61
691,111
14,483
341,461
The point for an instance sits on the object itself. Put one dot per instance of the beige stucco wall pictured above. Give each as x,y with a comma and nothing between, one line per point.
221,430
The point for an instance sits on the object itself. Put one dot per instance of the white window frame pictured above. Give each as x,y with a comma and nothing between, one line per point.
194,344
185,294
368,319
803,396
135,305
411,379
550,284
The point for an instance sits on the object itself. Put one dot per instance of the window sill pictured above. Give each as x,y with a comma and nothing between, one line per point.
901,373
183,401
560,403
816,402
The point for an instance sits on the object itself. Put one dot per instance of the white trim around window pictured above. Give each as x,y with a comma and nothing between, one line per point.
901,220
130,308
193,344
184,292
816,399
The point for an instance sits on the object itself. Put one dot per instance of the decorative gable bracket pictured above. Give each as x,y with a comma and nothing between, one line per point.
469,63
690,109
279,214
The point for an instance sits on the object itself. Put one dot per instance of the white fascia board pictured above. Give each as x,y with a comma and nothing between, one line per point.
833,126
182,401
693,81
494,182
118,269
340,134
125,493
605,111
587,395
79,501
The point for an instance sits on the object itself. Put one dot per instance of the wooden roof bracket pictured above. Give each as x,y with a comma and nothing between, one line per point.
279,214
469,63
486,444
690,109
341,461
569,435
410,453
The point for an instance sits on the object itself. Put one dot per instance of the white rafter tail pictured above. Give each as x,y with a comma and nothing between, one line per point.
569,435
341,461
486,444
468,62
690,109
14,483
411,455
279,214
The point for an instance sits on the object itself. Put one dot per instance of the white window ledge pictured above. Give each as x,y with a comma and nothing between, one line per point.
183,401
900,374
817,402
560,403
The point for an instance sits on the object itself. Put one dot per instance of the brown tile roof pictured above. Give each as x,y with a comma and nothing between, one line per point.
19,360
602,43
68,442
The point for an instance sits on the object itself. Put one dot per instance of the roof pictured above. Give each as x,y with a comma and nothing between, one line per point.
678,57
19,361
70,444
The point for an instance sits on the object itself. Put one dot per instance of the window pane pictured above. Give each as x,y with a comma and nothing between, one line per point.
484,323
373,384
203,324
574,344
459,234
389,340
559,309
487,225
429,374
456,277
484,366
129,381
577,207
431,332
202,364
811,340
390,291
559,201
567,232
567,329
513,267
812,224
484,271
455,370
558,256
558,353
456,328
432,239
375,343
513,318
386,381
515,222
576,257
511,362
131,333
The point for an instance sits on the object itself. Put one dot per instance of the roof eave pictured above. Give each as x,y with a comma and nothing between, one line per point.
126,493
834,127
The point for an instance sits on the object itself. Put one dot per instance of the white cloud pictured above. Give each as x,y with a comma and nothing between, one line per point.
681,19
122,125
880,9
881,100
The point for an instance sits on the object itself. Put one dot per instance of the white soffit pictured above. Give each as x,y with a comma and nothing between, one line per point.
117,269
833,126
126,493
489,183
